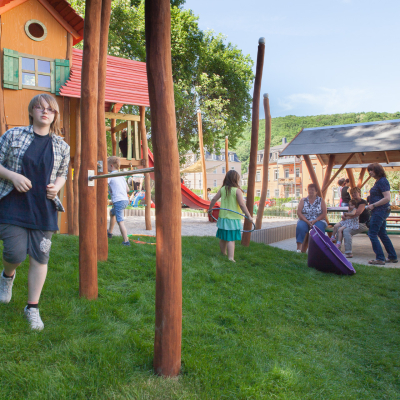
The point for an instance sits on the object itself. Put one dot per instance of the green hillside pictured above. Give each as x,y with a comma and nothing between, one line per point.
290,125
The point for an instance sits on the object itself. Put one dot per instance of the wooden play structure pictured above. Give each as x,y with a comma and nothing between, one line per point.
37,38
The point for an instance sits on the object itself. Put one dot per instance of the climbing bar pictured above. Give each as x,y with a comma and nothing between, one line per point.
122,173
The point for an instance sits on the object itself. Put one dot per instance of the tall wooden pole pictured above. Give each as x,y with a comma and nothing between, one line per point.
87,194
77,166
168,327
351,177
3,126
328,173
113,137
312,173
202,155
147,185
67,132
226,155
102,184
267,146
361,177
254,140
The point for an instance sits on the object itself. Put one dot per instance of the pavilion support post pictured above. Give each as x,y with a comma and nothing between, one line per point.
147,186
67,133
337,172
87,194
312,173
202,155
226,155
351,177
168,325
254,140
267,146
102,184
363,184
113,137
77,167
328,173
361,177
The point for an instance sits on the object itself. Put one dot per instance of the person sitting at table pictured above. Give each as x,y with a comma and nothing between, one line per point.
311,211
363,218
380,210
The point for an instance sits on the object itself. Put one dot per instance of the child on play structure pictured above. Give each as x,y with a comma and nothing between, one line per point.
119,197
33,168
347,223
229,223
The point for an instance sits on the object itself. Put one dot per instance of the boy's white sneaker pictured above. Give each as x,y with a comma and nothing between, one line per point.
6,285
33,317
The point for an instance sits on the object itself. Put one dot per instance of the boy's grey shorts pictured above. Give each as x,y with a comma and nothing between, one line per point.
19,241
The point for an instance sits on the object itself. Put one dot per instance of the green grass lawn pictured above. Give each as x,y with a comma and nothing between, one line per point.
267,327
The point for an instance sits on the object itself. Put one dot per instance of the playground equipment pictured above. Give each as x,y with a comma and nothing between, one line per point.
138,197
141,241
226,209
324,256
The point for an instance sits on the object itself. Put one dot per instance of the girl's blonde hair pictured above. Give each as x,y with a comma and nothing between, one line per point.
52,102
231,180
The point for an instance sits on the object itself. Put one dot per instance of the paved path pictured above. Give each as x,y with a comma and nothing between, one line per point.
190,226
362,249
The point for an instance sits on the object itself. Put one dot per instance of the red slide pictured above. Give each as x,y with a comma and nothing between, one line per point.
189,198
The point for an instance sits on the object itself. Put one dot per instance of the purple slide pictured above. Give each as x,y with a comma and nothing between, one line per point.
324,256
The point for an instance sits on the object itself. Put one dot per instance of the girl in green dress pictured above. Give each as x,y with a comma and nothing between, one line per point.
229,224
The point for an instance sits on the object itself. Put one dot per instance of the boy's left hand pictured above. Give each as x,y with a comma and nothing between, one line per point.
52,191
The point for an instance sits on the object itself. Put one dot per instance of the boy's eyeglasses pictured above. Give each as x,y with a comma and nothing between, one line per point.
42,109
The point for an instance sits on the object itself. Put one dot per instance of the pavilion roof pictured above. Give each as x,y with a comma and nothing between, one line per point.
370,141
126,80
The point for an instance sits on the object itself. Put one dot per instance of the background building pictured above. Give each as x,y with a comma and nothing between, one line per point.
215,167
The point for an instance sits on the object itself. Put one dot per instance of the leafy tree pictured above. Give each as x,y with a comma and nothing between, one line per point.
208,73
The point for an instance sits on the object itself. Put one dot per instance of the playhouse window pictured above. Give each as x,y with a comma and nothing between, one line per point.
35,30
36,73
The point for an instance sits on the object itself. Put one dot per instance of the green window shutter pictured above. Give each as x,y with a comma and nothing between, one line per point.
10,69
61,73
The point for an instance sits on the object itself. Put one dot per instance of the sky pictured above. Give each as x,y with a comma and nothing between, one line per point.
321,56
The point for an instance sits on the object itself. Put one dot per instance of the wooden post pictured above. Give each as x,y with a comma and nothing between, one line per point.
365,182
328,173
267,146
254,140
361,177
87,194
202,155
351,177
77,167
102,184
67,132
337,172
3,125
168,327
226,155
113,137
147,186
312,173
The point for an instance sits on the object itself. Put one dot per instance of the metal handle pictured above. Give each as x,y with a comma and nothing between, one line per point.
122,173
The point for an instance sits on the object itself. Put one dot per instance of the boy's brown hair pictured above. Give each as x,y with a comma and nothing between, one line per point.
114,160
52,102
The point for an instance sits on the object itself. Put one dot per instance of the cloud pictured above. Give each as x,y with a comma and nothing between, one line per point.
326,101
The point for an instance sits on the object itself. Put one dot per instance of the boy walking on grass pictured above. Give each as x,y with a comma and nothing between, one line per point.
119,197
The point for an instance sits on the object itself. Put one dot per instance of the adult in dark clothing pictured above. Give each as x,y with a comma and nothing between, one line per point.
344,192
123,144
363,216
33,168
380,210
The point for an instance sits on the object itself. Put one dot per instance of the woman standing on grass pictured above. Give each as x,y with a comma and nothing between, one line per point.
33,168
379,204
311,211
229,224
